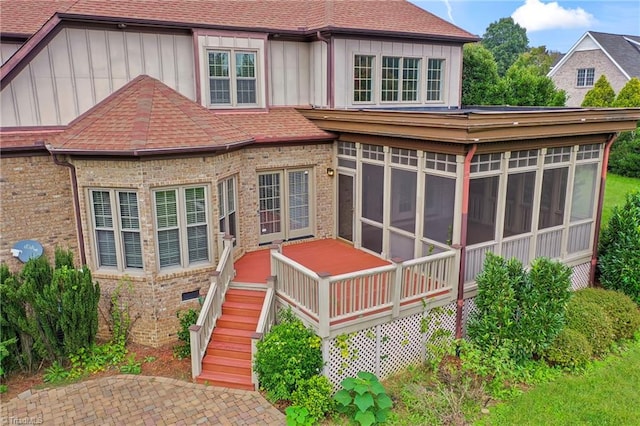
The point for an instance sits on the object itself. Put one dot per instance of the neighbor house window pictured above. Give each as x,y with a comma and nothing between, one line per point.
227,207
117,229
400,79
363,78
232,78
182,226
585,77
435,68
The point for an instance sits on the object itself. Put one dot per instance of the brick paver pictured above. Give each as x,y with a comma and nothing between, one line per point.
139,400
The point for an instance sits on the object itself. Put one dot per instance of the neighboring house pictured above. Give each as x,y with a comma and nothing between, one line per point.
137,133
615,56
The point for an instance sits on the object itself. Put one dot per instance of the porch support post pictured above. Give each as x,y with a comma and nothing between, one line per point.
323,305
397,287
194,342
463,238
276,247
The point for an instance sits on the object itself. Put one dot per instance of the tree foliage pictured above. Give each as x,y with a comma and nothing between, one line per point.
539,58
629,96
602,94
479,76
506,40
525,86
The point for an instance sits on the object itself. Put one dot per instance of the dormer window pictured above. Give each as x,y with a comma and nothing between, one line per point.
585,77
232,78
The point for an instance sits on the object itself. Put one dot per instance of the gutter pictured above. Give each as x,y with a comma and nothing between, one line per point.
463,238
596,233
76,203
329,42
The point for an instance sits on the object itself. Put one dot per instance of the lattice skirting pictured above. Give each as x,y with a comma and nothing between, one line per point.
580,276
388,348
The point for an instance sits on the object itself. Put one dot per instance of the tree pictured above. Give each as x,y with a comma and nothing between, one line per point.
525,86
602,94
506,40
538,57
479,76
629,95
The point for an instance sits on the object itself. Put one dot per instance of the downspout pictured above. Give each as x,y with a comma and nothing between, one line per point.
463,237
329,42
76,205
596,233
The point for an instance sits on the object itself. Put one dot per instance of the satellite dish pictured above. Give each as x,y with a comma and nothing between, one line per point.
27,249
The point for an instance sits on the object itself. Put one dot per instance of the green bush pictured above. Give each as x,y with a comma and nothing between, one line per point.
570,350
622,312
519,310
591,321
624,158
619,260
289,353
187,319
316,395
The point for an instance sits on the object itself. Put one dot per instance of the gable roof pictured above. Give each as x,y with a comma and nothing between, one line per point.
622,50
299,16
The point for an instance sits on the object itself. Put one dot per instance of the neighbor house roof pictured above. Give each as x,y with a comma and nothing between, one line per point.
300,16
622,50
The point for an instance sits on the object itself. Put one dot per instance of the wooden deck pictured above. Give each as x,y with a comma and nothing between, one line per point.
332,256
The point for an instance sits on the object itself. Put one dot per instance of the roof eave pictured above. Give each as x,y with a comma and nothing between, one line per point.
398,34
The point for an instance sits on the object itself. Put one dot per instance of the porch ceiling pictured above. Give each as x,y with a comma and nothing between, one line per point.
332,256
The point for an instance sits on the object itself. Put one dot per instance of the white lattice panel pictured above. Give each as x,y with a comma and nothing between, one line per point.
401,344
580,276
359,354
469,309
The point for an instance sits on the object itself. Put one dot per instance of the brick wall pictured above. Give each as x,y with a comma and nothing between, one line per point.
35,204
566,76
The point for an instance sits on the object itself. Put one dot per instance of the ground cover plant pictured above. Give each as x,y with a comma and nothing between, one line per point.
617,188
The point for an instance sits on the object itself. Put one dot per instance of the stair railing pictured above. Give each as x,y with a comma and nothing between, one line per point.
200,332
265,322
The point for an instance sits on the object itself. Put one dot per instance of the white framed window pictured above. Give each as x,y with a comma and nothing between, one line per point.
585,77
182,226
116,225
435,77
232,77
400,78
363,78
286,205
227,202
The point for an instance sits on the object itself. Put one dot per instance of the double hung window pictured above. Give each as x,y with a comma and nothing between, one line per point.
232,78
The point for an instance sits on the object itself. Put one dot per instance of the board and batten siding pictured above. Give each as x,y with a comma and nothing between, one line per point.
81,67
346,49
289,73
7,50
242,42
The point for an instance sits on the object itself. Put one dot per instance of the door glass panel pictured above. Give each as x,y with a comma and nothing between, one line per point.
269,198
298,200
345,207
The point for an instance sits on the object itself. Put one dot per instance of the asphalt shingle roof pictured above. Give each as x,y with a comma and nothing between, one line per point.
625,53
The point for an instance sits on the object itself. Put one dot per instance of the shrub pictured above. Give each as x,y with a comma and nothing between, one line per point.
591,321
622,312
570,350
624,159
289,353
619,260
314,394
519,310
364,399
187,319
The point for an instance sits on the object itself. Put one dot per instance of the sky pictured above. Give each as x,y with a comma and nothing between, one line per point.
558,25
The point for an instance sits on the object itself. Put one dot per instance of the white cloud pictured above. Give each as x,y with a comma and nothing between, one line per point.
536,16
449,10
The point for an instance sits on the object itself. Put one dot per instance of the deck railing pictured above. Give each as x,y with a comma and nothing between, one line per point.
200,332
326,300
265,322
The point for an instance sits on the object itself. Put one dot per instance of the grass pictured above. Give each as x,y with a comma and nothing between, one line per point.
606,395
616,189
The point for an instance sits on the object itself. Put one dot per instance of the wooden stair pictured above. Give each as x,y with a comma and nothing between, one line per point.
227,361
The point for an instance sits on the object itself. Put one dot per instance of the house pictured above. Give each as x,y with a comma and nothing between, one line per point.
615,56
197,147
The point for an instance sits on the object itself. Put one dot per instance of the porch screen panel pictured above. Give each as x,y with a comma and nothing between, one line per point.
168,232
298,200
372,192
130,223
403,199
371,237
439,196
197,234
270,209
401,246
552,198
105,238
483,203
584,186
519,205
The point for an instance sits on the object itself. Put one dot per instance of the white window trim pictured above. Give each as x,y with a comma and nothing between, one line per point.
374,79
419,94
233,78
586,71
224,195
182,227
117,230
443,92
